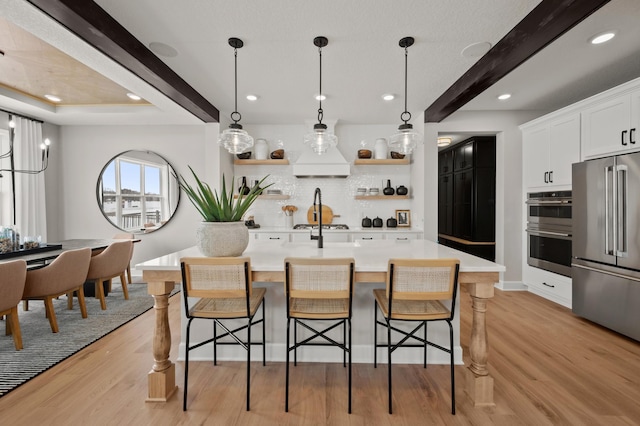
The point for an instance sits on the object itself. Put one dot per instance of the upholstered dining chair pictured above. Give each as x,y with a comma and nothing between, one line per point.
224,288
422,291
126,236
110,263
66,274
12,280
319,289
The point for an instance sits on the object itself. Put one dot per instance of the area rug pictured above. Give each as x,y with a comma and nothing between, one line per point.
44,349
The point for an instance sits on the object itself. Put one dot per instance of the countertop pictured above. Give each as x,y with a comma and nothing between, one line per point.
344,231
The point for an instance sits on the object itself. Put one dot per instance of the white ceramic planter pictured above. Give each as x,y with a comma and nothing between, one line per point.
222,239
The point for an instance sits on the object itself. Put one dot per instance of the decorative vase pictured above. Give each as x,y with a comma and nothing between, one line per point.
261,149
366,222
392,222
402,190
244,188
377,222
380,149
388,190
222,239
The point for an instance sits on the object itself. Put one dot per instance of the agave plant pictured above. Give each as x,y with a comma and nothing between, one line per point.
223,207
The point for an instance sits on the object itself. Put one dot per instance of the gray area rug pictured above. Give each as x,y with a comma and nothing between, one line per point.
44,349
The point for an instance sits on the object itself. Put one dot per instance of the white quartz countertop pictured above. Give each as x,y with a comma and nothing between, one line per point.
350,230
370,255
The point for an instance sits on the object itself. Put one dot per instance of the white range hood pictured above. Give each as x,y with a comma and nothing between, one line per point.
331,164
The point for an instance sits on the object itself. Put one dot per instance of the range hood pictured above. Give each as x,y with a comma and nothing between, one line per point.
331,164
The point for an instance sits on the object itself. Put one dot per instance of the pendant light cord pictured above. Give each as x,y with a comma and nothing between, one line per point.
235,112
320,112
405,113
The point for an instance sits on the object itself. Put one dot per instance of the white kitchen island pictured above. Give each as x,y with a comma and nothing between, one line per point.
371,257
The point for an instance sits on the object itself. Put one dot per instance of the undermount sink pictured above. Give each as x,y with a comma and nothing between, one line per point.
324,226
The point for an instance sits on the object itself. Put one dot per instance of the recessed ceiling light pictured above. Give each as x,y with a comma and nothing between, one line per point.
133,96
162,49
504,96
320,97
476,50
252,97
53,98
442,141
388,97
602,38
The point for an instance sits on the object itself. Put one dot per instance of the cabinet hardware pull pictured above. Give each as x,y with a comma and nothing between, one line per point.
551,176
402,239
274,238
632,134
367,238
623,133
546,177
549,285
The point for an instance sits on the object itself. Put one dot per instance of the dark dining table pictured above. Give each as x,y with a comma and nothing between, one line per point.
37,258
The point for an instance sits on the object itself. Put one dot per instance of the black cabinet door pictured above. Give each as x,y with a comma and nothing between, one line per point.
463,156
445,204
463,204
445,162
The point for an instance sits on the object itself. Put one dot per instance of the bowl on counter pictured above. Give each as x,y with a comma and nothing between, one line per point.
364,153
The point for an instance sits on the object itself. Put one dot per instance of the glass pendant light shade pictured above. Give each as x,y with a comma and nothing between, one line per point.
234,139
320,139
406,140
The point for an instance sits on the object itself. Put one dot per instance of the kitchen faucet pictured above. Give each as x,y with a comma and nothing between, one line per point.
317,196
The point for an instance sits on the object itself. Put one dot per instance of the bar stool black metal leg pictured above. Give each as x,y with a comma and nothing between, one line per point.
389,360
344,340
349,320
295,342
186,367
286,398
215,342
453,378
375,334
424,323
248,362
264,337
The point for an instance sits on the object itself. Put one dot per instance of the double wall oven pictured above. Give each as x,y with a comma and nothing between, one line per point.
549,231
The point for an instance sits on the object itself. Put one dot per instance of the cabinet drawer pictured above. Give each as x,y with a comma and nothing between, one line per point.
368,236
556,288
402,236
273,236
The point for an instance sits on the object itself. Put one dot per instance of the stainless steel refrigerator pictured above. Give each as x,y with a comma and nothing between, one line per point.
606,242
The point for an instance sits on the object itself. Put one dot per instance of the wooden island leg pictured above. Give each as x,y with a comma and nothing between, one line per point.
162,377
480,383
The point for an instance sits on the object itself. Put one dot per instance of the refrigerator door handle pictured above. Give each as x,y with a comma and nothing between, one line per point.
621,211
607,213
602,271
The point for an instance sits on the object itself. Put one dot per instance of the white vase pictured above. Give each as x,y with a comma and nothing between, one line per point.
222,239
380,149
261,149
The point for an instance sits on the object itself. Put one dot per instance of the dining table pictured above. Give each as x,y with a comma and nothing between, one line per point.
371,259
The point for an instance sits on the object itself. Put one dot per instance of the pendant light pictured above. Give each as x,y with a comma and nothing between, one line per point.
320,139
234,139
406,140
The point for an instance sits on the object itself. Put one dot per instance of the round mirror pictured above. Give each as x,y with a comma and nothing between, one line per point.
137,191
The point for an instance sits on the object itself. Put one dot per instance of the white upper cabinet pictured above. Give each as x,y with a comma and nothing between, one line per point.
610,127
549,149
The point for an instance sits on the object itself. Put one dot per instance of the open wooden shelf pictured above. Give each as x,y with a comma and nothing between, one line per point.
271,197
250,162
371,161
382,197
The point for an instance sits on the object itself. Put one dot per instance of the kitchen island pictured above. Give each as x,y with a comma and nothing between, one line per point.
371,257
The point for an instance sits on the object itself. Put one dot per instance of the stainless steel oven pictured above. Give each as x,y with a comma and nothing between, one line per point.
549,231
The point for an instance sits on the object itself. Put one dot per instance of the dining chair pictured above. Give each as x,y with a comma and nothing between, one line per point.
12,280
319,289
418,290
126,236
224,290
65,275
110,263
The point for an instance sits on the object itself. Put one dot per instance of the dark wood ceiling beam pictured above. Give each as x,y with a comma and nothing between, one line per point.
548,21
95,26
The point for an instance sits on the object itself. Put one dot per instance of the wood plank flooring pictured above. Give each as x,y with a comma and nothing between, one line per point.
550,368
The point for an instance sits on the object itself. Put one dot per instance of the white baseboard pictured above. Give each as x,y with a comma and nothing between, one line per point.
511,286
362,354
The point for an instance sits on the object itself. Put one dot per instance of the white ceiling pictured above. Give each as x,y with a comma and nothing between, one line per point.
279,62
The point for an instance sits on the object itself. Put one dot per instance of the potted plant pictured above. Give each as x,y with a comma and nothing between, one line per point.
222,232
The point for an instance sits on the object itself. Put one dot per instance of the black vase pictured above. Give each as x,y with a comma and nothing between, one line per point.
392,222
377,222
389,189
244,189
402,190
366,222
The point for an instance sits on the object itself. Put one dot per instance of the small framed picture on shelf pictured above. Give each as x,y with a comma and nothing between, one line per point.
403,217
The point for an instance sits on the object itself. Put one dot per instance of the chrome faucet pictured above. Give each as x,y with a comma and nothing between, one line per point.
317,196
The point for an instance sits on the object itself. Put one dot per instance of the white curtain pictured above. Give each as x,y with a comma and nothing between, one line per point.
31,211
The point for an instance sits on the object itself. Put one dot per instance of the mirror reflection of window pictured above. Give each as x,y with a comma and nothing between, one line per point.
137,191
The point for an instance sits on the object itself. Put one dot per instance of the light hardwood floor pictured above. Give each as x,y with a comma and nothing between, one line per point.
550,367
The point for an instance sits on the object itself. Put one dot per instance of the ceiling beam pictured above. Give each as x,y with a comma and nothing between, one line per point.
95,26
545,23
